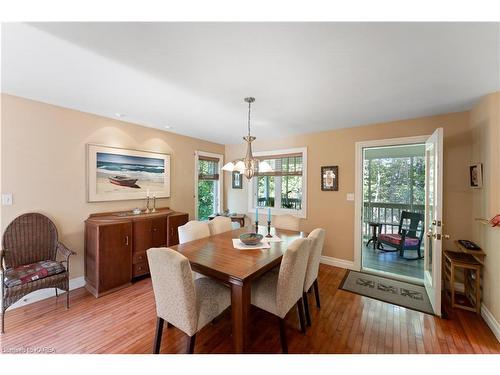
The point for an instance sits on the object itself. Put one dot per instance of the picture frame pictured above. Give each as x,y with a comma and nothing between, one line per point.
330,178
476,175
115,173
237,180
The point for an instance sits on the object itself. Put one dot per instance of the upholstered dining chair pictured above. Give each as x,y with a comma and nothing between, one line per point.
278,293
220,224
317,237
181,301
28,259
193,230
287,222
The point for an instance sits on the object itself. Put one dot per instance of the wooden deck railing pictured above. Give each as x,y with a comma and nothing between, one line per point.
386,213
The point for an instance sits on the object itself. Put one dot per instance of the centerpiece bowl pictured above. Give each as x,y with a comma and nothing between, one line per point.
251,238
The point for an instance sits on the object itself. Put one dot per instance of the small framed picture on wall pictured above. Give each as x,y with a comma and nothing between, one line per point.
237,180
330,178
476,175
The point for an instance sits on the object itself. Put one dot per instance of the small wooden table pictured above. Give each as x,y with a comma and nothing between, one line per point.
236,218
471,299
216,257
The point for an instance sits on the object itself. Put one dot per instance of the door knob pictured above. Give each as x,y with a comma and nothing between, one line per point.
446,236
429,234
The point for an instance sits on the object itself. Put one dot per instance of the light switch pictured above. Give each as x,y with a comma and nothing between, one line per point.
7,199
350,197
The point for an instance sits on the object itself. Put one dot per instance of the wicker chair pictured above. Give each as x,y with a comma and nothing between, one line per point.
28,259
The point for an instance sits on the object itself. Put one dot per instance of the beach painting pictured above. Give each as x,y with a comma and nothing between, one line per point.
120,174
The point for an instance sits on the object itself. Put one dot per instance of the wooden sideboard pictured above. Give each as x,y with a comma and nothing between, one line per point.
116,244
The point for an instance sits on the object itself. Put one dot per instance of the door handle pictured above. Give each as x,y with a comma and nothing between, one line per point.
429,234
126,240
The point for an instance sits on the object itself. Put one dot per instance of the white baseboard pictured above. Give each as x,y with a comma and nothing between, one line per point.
336,262
491,321
38,295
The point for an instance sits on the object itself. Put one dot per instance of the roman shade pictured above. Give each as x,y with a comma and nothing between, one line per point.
208,168
283,165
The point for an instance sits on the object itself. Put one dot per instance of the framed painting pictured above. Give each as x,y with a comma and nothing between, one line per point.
476,175
121,174
237,180
330,178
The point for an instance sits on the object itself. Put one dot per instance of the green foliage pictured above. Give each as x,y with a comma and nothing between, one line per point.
394,180
206,199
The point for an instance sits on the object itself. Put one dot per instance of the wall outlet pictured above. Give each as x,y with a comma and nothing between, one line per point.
350,197
7,199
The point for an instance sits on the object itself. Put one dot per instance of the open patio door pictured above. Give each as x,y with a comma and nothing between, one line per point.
433,218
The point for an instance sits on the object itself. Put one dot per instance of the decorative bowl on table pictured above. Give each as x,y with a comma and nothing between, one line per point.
251,238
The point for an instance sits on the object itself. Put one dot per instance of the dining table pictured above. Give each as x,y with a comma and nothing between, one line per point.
216,257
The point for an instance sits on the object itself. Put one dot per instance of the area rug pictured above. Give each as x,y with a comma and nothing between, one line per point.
387,290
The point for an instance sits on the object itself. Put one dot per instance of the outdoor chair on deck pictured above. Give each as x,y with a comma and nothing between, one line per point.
409,236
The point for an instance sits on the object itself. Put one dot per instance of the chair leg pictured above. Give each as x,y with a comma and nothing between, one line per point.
190,345
306,308
316,293
284,344
158,334
57,294
302,320
67,298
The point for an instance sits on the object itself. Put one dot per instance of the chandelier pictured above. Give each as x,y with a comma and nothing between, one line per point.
249,165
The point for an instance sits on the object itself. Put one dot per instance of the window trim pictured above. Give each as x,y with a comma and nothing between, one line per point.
220,194
302,213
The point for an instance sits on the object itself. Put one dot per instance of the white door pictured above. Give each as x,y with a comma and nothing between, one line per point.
433,218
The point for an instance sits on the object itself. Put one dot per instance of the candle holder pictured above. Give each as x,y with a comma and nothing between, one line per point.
147,210
154,204
269,235
256,227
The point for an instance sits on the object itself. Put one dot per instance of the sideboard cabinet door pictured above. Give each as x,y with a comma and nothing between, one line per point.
115,256
174,221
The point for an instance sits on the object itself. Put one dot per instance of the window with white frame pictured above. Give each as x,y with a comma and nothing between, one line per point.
284,189
208,180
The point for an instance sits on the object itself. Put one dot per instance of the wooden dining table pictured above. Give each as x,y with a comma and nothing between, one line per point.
215,257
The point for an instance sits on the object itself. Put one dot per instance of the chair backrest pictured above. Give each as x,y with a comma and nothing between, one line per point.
317,237
220,224
292,274
29,238
193,230
174,288
287,222
412,222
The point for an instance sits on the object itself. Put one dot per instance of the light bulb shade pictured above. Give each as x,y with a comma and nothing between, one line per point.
239,166
229,167
264,167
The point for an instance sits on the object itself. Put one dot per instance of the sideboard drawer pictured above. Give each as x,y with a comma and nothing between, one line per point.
139,257
140,269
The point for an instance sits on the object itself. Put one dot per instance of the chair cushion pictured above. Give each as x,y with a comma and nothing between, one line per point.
395,239
31,272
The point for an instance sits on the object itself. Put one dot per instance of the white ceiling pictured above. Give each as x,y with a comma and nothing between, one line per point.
306,77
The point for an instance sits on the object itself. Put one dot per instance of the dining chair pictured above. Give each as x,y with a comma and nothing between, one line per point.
317,237
181,301
278,293
287,222
220,224
193,230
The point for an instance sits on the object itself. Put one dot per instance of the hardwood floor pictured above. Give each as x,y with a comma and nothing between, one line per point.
124,322
392,262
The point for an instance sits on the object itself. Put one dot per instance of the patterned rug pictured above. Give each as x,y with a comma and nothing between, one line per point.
396,292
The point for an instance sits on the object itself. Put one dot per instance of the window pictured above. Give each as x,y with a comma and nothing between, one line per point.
283,189
208,181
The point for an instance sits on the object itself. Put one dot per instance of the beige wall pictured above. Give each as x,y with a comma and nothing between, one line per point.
485,124
43,164
331,210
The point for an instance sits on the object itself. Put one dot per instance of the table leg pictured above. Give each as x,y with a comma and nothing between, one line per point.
240,307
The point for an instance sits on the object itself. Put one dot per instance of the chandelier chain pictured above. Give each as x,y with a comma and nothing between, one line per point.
249,104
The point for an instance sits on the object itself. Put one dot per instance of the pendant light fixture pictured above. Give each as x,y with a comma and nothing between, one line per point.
249,165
